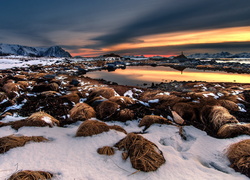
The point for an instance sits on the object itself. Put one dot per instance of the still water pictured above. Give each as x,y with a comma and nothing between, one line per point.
138,75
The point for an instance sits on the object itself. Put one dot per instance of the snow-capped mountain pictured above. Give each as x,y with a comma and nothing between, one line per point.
12,49
219,55
56,51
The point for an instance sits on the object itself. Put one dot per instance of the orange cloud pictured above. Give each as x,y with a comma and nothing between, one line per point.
235,34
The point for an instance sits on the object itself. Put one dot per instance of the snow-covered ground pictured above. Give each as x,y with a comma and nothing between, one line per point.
23,61
235,60
76,158
200,157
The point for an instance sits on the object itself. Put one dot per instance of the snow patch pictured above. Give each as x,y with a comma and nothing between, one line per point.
47,119
129,93
154,101
211,94
3,101
164,93
241,107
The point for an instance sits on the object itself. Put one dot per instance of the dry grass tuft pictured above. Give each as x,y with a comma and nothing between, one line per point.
12,87
19,76
216,117
32,83
124,156
82,111
106,109
91,127
239,156
144,155
31,175
39,119
118,128
45,87
102,91
9,142
233,98
233,130
82,93
209,101
122,100
74,97
96,101
54,86
166,100
149,95
3,96
185,110
106,150
7,81
229,105
24,84
38,75
43,116
121,89
125,114
195,95
148,120
49,93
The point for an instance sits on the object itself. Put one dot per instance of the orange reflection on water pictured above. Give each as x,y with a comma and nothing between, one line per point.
159,74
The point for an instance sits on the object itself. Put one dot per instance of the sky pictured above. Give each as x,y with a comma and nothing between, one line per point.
128,27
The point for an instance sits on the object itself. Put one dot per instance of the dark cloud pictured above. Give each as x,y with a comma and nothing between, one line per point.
71,47
233,47
37,20
181,15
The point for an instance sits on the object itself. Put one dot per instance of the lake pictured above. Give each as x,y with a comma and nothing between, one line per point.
138,75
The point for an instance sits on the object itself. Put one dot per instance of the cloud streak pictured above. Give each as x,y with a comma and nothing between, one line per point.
180,15
233,47
37,20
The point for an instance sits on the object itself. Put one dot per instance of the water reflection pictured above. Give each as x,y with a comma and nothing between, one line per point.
138,75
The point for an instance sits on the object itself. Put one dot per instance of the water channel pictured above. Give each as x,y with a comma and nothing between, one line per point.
145,75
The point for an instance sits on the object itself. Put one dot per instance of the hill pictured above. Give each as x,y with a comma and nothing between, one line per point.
19,50
219,55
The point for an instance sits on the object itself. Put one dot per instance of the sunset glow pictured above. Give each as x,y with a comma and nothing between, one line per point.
236,34
161,55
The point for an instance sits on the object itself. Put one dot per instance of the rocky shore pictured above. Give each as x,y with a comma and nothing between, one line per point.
67,77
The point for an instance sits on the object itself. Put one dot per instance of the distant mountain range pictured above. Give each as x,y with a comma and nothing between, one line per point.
219,55
57,51
12,49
